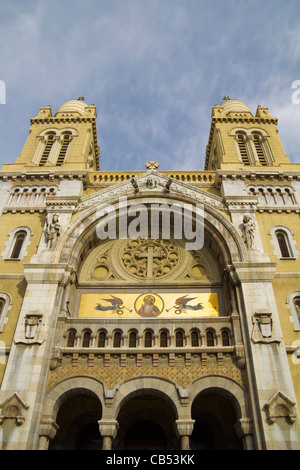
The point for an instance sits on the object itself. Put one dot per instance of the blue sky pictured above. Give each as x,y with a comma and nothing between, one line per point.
153,68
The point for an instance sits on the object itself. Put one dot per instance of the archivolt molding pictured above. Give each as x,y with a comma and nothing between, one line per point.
82,230
160,386
149,183
68,387
227,387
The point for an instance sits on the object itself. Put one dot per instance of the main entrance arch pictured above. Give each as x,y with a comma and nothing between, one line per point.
147,422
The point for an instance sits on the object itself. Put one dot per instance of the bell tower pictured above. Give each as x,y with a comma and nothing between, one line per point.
239,140
66,140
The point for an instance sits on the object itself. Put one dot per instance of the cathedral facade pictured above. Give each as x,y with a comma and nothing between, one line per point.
150,309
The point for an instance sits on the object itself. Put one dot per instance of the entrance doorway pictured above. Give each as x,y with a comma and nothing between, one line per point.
145,435
147,422
77,419
215,414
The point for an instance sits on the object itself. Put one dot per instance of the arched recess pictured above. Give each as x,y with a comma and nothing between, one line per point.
81,236
146,410
74,406
219,407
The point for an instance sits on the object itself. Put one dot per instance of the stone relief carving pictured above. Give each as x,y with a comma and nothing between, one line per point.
12,408
161,183
263,328
150,258
31,333
32,322
280,406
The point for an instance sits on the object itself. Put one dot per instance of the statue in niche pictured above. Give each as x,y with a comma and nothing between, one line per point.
53,230
248,228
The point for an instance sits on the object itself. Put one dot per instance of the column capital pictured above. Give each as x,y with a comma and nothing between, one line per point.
108,427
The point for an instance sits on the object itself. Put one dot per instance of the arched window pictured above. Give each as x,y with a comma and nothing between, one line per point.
210,339
18,243
148,339
293,304
71,339
86,339
225,338
117,339
194,339
2,304
259,149
47,149
132,339
283,244
5,305
179,339
297,306
163,339
101,339
241,140
62,154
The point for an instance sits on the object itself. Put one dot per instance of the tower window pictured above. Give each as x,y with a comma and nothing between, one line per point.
63,150
242,147
47,150
259,149
283,244
19,240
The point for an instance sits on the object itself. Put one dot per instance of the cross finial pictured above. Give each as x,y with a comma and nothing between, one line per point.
226,98
152,165
81,98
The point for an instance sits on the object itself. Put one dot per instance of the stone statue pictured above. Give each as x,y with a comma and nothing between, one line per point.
248,228
53,230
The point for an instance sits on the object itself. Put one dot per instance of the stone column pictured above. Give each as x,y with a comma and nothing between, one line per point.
244,430
48,431
185,429
269,375
108,430
28,365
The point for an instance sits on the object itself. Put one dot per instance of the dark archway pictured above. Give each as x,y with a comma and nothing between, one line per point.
147,422
146,435
215,416
78,419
